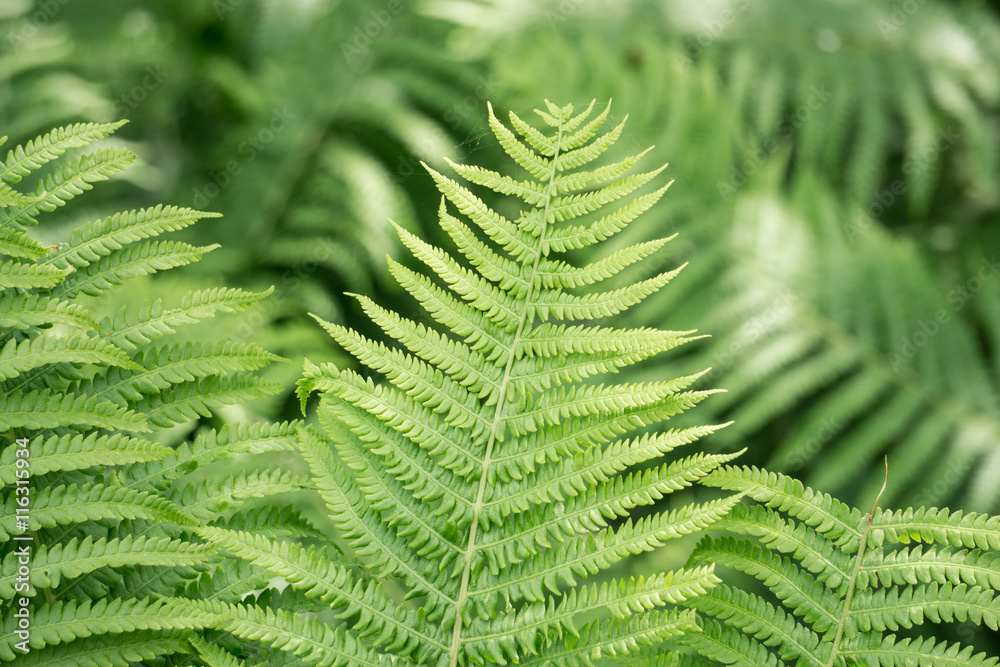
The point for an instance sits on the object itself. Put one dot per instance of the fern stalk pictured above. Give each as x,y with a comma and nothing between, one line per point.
852,582
456,641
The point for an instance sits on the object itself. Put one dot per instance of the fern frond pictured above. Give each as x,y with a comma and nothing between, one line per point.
214,655
28,276
121,650
971,531
730,646
903,651
377,544
67,182
75,558
104,538
304,636
79,452
153,321
10,197
826,515
63,622
63,505
229,582
574,476
848,581
619,637
517,634
205,499
189,400
228,442
314,572
272,522
159,369
31,310
22,160
49,409
114,269
89,243
486,473
16,358
843,361
18,244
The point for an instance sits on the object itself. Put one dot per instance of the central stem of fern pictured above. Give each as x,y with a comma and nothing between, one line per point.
470,549
851,583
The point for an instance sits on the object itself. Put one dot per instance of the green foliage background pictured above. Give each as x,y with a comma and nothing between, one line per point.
837,168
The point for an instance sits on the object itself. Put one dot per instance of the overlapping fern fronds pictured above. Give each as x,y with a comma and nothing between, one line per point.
111,499
491,475
894,360
849,586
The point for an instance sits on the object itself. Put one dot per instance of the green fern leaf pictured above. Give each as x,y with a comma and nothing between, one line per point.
89,243
140,260
18,244
28,276
49,566
63,622
159,369
22,160
846,581
153,321
309,638
189,400
389,625
63,505
67,182
16,358
105,538
214,655
272,522
122,650
226,443
489,474
9,197
204,500
31,310
79,452
48,409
